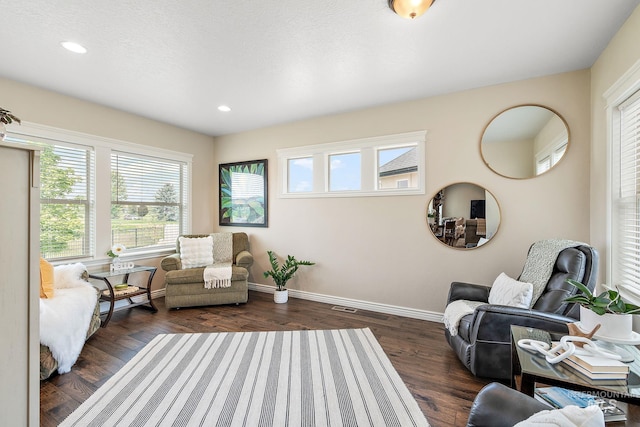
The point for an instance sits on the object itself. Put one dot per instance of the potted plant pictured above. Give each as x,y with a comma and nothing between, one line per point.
608,310
281,274
6,118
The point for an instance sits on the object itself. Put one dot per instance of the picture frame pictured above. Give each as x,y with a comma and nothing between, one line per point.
243,194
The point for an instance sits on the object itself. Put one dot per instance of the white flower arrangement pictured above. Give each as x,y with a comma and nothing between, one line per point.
116,250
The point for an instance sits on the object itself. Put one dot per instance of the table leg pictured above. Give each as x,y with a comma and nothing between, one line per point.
151,274
111,303
527,384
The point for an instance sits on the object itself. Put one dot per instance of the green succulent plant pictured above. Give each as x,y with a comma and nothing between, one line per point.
608,301
281,274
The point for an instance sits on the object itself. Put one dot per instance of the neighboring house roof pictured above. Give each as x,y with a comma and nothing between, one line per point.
407,162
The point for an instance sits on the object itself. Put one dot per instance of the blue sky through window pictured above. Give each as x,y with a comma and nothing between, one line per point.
344,170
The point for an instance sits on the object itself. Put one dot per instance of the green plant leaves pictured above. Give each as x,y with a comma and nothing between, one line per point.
281,274
609,301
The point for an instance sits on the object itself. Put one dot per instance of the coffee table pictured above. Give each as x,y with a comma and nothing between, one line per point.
533,368
111,295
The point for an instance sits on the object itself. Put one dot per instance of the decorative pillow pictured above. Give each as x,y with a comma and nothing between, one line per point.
508,291
196,251
569,416
46,279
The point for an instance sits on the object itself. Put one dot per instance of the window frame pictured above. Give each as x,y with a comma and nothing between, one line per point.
88,203
103,147
368,149
626,87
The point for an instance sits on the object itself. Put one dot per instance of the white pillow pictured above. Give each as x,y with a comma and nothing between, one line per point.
569,416
508,291
196,251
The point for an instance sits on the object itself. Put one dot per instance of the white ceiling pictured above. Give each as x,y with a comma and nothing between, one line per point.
276,61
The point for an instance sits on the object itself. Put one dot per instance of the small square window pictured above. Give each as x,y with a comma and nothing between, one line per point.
397,168
344,172
300,174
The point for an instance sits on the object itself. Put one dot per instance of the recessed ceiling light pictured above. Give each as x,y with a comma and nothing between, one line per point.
224,108
74,47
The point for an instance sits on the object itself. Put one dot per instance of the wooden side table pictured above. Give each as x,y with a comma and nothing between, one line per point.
111,295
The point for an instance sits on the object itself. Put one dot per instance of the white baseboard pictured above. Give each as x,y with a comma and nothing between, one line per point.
354,303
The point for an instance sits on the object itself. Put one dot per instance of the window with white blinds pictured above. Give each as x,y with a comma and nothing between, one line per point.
148,201
66,201
625,237
145,208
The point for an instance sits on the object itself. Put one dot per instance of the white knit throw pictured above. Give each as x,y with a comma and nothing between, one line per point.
456,311
219,274
540,261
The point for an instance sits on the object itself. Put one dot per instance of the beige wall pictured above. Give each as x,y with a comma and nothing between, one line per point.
52,109
620,55
378,249
511,158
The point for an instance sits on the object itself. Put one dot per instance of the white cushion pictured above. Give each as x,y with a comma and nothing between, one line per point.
569,416
508,291
196,251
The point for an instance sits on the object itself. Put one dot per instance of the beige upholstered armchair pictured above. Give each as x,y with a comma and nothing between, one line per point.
185,287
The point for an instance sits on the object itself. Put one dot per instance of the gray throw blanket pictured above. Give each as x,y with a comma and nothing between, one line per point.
540,261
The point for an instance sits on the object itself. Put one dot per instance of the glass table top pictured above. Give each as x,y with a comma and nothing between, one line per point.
534,363
108,273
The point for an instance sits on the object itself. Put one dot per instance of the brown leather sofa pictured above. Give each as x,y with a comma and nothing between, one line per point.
185,287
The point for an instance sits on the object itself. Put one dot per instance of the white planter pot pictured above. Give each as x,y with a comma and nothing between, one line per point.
616,326
280,297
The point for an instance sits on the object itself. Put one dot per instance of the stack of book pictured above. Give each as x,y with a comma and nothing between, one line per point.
600,369
558,397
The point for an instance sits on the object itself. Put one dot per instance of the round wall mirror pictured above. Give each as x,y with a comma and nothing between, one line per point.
524,141
463,216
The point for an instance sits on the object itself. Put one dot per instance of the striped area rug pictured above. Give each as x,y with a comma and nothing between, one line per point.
293,378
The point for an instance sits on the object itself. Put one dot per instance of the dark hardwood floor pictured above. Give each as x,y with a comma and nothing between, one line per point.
443,388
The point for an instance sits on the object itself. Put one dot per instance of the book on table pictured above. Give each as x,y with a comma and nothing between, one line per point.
558,397
598,364
596,367
576,367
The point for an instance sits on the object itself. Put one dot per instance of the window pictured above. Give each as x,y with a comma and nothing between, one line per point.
543,165
547,158
397,168
300,173
344,172
625,237
378,166
97,191
148,200
66,202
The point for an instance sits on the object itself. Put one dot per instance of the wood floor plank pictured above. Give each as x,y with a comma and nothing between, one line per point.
443,388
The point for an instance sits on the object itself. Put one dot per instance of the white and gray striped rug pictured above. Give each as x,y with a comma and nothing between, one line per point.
294,378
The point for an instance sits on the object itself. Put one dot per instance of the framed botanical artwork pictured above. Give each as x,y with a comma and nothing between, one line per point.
243,193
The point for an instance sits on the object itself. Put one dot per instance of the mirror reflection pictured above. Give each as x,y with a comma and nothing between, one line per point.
463,215
524,141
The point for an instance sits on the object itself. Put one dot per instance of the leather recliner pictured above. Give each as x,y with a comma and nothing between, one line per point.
483,342
497,405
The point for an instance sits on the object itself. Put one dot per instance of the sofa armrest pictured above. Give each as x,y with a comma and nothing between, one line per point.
497,405
468,291
493,322
244,259
172,262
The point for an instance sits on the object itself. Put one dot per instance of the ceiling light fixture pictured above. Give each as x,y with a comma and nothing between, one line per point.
224,108
410,9
74,47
